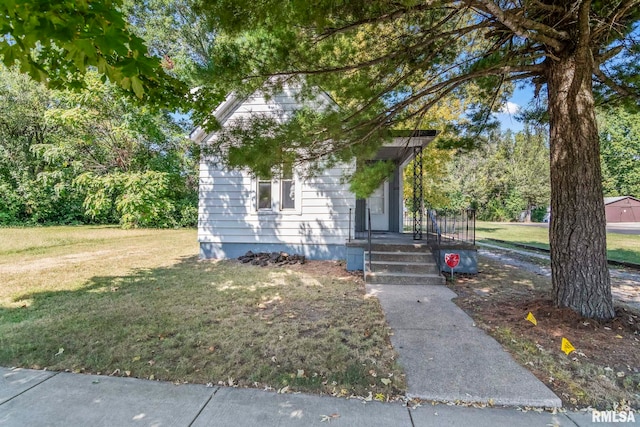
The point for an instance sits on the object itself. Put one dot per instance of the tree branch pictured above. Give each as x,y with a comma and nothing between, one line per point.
382,18
617,14
621,90
521,26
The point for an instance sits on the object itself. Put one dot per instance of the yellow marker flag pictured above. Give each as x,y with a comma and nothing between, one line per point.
566,346
531,318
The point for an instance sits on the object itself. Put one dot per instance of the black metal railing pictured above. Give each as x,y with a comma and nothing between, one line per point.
369,236
445,226
354,233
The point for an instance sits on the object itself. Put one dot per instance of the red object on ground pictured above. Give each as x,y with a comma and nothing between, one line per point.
452,260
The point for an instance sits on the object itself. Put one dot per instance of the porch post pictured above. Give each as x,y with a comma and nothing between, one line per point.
418,199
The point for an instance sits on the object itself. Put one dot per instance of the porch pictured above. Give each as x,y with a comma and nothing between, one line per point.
361,250
387,223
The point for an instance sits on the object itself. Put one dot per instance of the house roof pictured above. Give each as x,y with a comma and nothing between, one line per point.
609,200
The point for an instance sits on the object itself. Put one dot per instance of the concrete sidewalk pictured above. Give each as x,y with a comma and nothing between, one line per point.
39,398
447,358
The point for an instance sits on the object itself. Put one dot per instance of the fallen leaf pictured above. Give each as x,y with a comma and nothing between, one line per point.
283,389
618,336
136,358
60,351
385,381
328,418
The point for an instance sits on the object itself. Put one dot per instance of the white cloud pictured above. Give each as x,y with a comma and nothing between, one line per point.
509,108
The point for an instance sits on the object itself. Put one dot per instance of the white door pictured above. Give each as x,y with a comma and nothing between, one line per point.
378,202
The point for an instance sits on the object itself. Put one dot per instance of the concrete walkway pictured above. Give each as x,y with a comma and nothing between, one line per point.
38,398
447,358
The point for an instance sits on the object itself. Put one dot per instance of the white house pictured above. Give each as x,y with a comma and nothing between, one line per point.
314,216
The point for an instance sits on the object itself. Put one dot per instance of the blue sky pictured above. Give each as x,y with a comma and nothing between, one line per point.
520,98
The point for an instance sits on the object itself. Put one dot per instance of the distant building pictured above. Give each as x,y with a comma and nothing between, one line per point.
622,209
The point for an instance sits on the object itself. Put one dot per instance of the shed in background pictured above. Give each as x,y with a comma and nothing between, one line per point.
622,209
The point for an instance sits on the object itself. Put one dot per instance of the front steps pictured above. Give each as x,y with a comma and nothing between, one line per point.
401,264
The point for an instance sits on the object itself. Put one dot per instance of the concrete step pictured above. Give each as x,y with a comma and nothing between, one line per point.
401,247
423,257
404,267
388,278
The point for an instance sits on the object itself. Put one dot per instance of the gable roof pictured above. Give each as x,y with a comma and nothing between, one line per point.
609,200
403,140
223,111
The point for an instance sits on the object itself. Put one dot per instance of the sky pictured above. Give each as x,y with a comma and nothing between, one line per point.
520,98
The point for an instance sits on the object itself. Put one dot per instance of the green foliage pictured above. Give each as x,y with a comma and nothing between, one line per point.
57,41
435,167
507,177
138,199
368,177
91,155
620,151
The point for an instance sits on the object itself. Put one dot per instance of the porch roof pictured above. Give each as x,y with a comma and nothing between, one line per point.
400,148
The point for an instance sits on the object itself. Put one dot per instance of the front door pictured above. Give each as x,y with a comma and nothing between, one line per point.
378,202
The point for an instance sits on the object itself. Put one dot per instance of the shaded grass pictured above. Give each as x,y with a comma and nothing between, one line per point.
620,247
140,304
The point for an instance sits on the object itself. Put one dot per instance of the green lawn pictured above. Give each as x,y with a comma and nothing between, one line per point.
140,303
621,247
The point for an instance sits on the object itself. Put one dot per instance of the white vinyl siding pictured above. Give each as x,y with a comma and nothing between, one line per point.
227,211
228,207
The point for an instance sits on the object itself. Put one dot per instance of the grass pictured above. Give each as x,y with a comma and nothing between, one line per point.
139,303
620,247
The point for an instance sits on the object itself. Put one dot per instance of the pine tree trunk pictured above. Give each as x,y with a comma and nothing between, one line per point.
577,233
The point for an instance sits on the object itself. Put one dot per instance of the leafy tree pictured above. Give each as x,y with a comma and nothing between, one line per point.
93,154
509,175
389,58
137,166
30,188
530,170
620,151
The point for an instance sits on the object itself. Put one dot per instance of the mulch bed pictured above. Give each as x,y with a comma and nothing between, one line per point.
611,345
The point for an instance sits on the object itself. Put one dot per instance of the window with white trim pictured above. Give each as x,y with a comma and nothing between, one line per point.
278,194
287,191
264,194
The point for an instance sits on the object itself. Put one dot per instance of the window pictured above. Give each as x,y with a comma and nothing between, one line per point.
376,201
278,194
264,194
287,191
